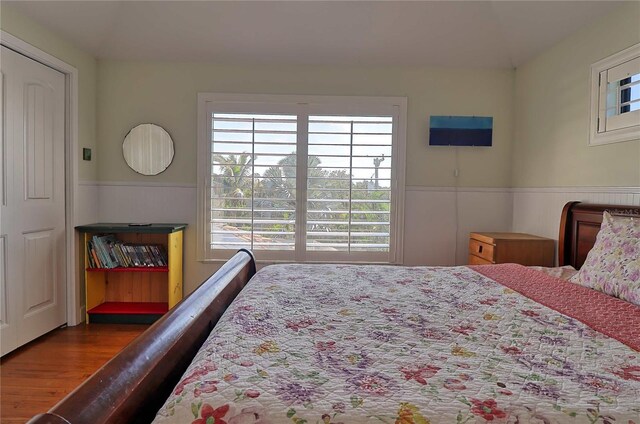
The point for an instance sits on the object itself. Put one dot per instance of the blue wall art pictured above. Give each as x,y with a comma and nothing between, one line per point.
460,131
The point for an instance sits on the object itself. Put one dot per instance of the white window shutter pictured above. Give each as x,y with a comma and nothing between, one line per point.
349,183
253,198
624,70
304,178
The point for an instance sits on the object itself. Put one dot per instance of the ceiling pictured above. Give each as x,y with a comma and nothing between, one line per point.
477,34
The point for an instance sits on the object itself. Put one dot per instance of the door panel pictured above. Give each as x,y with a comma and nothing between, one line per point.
38,247
3,155
3,282
33,215
38,140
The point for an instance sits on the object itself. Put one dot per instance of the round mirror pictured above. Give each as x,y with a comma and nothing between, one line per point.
148,149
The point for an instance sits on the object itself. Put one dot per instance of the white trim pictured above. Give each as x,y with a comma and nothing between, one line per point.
443,189
302,174
294,99
598,95
586,189
74,316
400,176
617,190
135,184
202,178
458,189
308,261
301,104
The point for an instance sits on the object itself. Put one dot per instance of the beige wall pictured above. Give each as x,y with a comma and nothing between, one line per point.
130,93
24,28
165,93
550,147
545,104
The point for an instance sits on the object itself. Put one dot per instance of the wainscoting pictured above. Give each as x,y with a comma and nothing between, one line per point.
537,210
87,204
437,219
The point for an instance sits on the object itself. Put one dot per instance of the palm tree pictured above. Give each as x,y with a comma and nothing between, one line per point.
317,193
279,180
236,177
236,170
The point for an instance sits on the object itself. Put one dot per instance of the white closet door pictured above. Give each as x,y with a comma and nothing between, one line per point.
32,217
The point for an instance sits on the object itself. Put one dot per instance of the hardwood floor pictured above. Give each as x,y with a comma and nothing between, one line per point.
38,375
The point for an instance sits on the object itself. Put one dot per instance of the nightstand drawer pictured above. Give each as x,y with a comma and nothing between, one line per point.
519,248
476,260
480,249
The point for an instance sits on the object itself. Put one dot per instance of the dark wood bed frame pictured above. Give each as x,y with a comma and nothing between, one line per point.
133,385
579,225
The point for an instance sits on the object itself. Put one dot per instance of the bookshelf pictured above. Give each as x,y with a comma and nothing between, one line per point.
133,294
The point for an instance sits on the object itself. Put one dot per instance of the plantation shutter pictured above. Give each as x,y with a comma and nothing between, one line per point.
620,102
253,181
349,183
301,178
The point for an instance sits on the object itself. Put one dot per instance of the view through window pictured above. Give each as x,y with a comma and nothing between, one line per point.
307,184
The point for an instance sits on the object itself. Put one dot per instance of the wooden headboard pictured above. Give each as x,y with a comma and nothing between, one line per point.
579,225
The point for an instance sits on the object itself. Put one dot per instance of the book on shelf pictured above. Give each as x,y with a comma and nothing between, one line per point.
145,255
92,259
157,251
133,260
101,252
107,252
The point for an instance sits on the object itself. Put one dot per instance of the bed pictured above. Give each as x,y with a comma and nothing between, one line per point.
395,344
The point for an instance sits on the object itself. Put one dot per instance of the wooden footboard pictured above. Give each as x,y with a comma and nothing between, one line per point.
132,386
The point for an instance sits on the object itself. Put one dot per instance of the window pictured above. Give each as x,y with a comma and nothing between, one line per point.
615,97
301,178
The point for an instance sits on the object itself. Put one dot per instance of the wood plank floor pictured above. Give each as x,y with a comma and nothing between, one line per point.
38,375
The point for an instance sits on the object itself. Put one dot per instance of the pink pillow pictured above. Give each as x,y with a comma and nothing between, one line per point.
613,264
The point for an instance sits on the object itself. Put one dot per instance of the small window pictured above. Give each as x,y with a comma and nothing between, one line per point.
615,97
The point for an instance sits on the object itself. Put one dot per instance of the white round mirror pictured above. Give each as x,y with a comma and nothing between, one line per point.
148,149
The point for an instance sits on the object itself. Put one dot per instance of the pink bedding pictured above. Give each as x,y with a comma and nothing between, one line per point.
336,344
609,315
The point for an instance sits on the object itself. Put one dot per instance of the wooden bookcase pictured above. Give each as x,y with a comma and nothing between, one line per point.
133,294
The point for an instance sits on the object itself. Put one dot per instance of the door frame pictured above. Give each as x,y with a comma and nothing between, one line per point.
73,308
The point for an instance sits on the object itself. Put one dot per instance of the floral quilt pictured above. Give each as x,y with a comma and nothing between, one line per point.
324,344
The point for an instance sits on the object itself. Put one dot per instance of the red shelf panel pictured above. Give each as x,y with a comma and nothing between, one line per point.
131,269
132,308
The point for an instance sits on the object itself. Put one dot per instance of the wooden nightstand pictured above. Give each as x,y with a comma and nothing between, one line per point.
498,248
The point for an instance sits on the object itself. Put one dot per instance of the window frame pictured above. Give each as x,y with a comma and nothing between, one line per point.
621,131
303,106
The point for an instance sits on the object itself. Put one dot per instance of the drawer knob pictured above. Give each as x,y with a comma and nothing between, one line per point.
480,249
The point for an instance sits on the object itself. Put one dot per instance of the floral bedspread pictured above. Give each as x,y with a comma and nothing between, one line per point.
383,344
